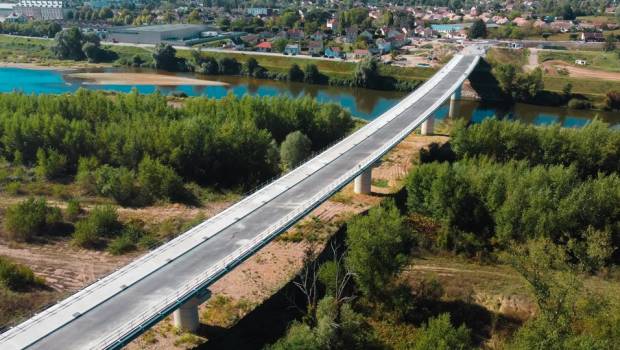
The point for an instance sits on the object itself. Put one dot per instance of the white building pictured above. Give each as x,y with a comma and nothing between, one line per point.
42,10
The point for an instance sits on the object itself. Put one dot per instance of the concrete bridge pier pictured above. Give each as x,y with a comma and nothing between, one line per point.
455,105
186,316
428,125
363,182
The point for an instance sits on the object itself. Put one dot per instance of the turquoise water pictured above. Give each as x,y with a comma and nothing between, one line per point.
363,103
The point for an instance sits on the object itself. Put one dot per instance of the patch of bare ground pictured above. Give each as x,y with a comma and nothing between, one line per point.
259,277
552,67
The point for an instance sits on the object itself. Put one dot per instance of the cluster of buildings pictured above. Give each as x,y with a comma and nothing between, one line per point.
40,10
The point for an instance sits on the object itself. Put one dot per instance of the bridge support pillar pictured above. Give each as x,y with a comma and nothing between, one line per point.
454,103
186,316
428,125
363,182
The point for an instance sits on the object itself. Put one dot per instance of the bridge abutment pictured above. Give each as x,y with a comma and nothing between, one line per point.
363,182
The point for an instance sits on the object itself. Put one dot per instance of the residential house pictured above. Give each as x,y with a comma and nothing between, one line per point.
315,48
14,18
332,24
292,49
592,36
562,26
361,53
295,34
397,41
520,21
383,46
333,52
265,46
250,39
317,36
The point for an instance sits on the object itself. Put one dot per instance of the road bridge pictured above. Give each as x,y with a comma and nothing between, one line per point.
175,277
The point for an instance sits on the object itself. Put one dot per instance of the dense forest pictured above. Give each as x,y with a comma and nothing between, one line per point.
542,200
209,141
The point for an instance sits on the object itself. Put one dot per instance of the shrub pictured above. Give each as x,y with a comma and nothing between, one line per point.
30,217
105,220
50,164
612,100
576,103
294,149
439,334
85,235
158,181
16,276
73,209
118,183
101,222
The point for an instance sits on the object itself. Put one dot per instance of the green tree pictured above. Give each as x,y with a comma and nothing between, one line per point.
158,181
279,45
17,277
294,149
165,57
30,217
295,73
439,334
366,73
312,74
50,164
93,52
377,245
68,44
477,30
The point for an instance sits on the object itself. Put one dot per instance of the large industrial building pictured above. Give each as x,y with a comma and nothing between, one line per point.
172,33
42,10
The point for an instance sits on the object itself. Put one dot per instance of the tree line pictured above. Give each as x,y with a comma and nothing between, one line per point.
365,75
130,144
510,182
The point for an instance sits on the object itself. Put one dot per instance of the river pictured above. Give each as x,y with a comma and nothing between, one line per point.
363,103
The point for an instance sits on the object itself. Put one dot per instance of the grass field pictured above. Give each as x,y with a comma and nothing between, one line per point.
608,61
509,56
595,88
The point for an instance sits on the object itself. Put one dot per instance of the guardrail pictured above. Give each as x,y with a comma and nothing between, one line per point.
268,234
324,158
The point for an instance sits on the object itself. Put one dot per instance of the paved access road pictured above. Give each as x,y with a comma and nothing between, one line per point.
105,315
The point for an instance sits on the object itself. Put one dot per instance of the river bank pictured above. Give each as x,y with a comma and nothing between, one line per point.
134,79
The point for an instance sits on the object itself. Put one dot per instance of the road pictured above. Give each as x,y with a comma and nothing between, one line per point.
90,317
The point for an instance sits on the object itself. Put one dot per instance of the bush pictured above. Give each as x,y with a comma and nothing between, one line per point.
73,209
612,100
101,222
577,103
158,181
295,73
294,149
50,164
439,334
16,276
29,218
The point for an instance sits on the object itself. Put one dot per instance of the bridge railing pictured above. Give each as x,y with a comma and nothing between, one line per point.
198,283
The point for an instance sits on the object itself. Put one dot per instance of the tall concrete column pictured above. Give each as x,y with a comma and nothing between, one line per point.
428,125
186,316
363,182
454,103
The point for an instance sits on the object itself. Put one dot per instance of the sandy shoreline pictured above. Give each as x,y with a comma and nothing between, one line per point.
34,66
142,79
